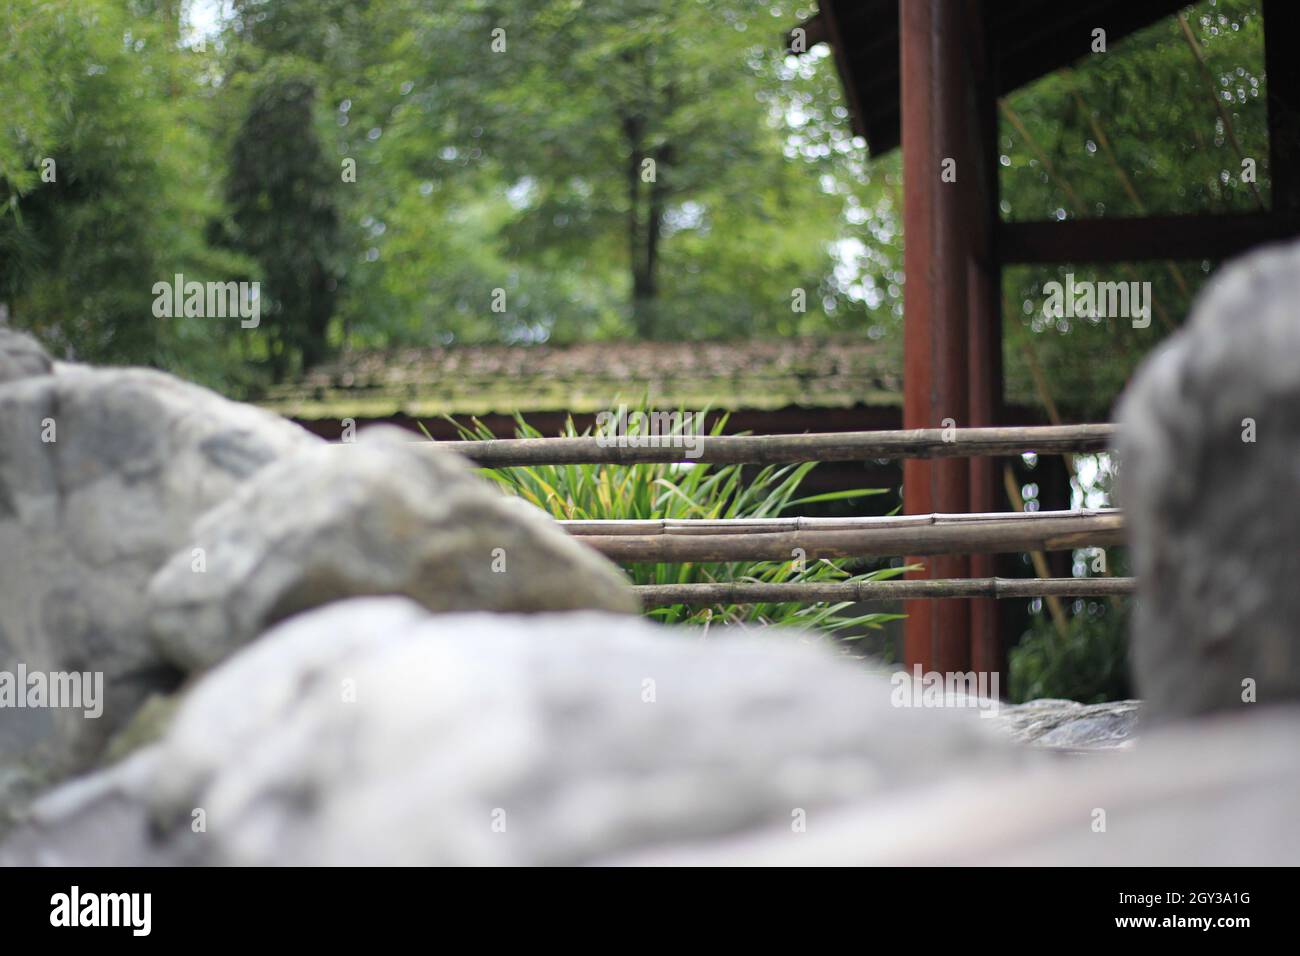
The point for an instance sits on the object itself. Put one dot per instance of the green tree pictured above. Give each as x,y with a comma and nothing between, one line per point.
103,183
280,187
1143,129
648,145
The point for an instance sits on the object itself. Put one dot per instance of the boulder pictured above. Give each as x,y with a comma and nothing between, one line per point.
1210,467
1214,792
102,472
372,732
1069,725
383,516
21,356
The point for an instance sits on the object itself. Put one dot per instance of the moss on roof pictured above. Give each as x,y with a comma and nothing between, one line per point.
588,377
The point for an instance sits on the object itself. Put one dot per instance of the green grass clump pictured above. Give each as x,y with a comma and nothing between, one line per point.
690,490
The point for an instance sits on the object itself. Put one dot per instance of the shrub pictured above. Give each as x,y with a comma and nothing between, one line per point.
1088,664
695,490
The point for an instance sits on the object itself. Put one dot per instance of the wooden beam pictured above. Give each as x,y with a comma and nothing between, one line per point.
682,541
1140,239
814,32
1034,46
1036,39
920,443
706,595
748,526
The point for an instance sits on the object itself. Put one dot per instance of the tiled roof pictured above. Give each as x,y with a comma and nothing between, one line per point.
476,380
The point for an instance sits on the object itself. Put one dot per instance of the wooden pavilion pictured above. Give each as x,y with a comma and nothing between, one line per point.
926,75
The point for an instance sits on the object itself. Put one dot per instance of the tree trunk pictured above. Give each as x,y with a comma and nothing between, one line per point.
315,346
637,238
653,230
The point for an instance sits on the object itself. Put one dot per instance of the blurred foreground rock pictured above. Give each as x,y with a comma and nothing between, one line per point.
372,732
1207,793
21,356
1210,471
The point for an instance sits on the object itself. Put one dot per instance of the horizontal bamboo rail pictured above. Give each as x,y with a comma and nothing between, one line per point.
801,592
776,539
778,449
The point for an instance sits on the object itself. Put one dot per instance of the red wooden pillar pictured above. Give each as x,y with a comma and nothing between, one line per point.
984,312
950,295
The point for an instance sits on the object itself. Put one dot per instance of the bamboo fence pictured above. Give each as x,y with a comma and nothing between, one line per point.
703,595
778,539
779,449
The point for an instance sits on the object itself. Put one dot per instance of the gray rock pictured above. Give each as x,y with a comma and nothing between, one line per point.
1218,792
387,515
102,472
1214,520
101,819
1069,725
21,356
370,731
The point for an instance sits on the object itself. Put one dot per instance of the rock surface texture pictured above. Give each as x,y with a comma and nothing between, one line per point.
102,472
386,515
371,731
111,479
1206,793
1068,725
21,356
1209,479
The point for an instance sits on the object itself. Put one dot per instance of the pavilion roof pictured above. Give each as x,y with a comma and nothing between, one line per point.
1029,39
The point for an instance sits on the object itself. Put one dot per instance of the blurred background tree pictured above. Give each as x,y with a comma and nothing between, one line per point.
107,180
279,187
1159,125
527,171
643,141
549,170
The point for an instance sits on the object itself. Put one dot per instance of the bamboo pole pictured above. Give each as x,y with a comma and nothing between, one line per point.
1126,181
777,449
1039,560
703,595
1076,203
776,539
1224,116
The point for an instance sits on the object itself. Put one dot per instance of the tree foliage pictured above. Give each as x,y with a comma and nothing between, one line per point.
551,170
1142,129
